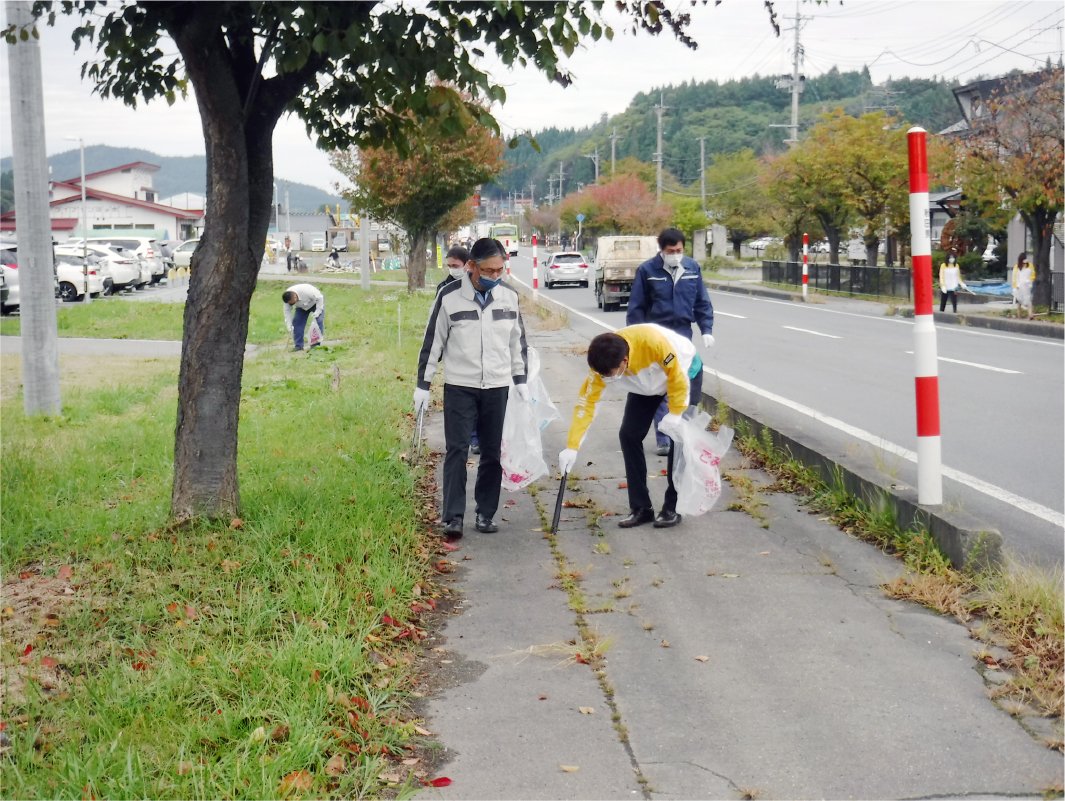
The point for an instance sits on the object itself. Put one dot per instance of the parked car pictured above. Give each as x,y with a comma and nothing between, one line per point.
318,245
145,248
9,266
182,254
71,275
565,267
123,269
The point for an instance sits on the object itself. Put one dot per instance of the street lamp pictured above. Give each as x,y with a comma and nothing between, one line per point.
84,219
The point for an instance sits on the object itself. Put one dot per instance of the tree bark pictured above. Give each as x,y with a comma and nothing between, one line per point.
1041,226
416,262
223,275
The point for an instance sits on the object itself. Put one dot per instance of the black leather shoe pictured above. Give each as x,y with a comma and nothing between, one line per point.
453,528
485,525
637,518
667,518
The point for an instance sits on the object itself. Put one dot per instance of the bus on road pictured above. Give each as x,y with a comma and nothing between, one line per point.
507,233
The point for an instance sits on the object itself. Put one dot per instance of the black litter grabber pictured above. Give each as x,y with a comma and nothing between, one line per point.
558,503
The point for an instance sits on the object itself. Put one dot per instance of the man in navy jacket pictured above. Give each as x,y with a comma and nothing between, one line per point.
669,290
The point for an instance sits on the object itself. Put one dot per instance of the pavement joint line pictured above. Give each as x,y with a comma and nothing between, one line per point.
599,669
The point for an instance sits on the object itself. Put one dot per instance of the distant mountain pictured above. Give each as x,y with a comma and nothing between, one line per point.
177,174
729,116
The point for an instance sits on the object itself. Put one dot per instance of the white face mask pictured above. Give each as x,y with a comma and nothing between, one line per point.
672,260
456,272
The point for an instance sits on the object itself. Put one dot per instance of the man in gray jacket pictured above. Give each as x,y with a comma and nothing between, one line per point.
475,327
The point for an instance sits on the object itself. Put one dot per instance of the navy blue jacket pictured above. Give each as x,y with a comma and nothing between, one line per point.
655,298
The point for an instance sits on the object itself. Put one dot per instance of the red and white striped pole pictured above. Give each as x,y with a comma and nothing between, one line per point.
536,271
926,381
805,259
506,244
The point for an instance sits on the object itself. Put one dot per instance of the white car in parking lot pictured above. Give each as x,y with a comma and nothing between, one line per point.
71,275
318,245
145,248
182,254
123,269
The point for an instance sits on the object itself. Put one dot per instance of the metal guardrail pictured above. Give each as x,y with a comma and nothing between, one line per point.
854,280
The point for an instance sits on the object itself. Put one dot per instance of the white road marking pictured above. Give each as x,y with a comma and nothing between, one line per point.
808,331
726,314
998,493
976,364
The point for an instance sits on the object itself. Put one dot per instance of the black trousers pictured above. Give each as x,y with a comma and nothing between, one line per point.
465,410
639,414
953,295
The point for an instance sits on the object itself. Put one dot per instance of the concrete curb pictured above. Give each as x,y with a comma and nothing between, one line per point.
966,541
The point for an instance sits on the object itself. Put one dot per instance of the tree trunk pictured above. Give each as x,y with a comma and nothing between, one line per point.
1041,227
416,262
224,271
736,248
872,245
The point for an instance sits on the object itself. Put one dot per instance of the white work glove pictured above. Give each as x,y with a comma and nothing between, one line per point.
708,340
671,425
523,391
290,328
421,400
566,460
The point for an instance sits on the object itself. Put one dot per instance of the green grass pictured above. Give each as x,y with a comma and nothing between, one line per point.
214,661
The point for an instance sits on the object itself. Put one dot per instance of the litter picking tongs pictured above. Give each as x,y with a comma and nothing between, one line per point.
558,503
416,436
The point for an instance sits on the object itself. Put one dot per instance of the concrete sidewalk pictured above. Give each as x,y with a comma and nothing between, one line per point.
747,653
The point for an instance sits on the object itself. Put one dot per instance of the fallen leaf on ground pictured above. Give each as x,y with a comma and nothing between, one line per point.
392,777
569,768
296,781
183,768
411,761
586,710
541,698
623,485
48,662
229,565
259,735
440,781
65,572
236,523
730,575
701,658
190,612
422,731
763,553
664,643
335,766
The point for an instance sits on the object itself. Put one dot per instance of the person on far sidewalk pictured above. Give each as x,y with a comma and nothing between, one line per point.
1023,278
303,301
654,364
949,281
668,290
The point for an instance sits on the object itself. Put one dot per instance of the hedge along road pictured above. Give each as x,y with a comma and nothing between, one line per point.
843,370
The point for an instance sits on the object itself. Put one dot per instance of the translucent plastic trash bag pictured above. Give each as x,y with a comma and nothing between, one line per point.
544,410
521,451
696,456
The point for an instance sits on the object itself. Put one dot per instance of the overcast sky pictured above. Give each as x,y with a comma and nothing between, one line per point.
954,39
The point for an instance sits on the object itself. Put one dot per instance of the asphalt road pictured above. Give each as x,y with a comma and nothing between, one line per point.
844,370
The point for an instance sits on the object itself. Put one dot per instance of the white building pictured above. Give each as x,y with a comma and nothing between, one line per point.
120,198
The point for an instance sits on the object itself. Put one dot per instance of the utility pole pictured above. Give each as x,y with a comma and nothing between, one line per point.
702,170
660,109
40,345
613,143
561,178
532,195
595,160
796,83
288,214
